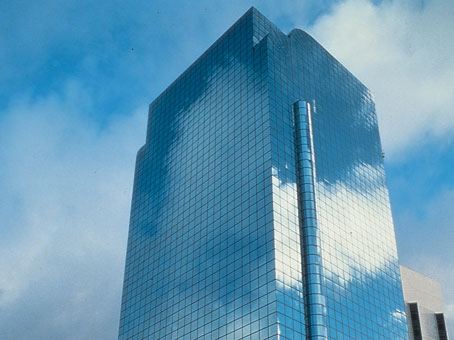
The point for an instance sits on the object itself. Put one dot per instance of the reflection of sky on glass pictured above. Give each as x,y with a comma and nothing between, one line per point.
359,259
200,250
215,241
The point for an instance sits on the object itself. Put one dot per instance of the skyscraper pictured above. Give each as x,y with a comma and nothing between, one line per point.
424,306
260,209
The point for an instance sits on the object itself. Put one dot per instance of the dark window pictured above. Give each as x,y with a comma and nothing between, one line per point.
416,325
441,325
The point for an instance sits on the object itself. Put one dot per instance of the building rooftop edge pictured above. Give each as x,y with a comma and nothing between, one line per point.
419,274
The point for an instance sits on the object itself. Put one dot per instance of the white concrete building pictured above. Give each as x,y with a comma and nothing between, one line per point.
424,306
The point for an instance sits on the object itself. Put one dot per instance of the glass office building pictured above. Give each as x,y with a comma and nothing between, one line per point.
260,209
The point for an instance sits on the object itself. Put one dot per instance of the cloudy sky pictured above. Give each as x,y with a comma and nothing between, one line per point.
75,81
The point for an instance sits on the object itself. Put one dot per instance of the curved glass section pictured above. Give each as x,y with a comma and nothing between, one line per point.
315,301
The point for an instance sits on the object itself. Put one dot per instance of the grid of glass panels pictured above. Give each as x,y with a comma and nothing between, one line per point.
360,274
200,261
216,236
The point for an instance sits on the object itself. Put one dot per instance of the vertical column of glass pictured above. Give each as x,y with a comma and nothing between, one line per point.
315,304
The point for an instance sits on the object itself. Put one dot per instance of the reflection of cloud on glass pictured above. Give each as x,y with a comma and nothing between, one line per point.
358,243
288,257
201,222
287,234
357,229
362,224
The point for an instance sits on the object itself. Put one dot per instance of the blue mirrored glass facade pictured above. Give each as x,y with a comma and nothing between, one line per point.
260,209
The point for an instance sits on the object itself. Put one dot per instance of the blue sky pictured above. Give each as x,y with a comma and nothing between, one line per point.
75,81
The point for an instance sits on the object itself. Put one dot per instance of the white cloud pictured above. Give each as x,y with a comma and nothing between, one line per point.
68,184
67,181
403,53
